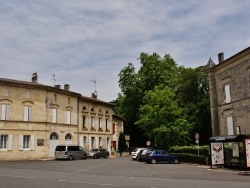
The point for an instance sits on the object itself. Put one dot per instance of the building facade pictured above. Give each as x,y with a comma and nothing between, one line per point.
229,85
35,118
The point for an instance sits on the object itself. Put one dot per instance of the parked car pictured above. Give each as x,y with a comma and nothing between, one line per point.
135,152
142,155
97,153
161,156
70,152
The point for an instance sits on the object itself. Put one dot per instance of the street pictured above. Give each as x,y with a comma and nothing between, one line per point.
115,172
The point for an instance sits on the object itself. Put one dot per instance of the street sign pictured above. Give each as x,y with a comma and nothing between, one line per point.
197,136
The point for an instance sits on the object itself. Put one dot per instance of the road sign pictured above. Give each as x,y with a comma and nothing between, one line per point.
197,136
148,143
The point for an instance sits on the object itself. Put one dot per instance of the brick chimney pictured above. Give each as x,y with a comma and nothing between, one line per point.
66,87
221,57
34,78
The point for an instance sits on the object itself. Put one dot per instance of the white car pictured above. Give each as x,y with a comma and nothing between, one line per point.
135,152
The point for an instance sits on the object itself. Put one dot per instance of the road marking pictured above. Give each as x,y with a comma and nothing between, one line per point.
17,176
83,182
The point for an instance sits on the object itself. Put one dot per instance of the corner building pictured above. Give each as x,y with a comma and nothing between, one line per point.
35,118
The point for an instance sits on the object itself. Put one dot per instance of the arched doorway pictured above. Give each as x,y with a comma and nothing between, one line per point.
54,141
68,139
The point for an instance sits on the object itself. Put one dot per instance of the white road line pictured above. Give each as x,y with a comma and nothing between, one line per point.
83,182
17,176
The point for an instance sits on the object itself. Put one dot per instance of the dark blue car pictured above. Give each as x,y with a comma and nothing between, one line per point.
161,156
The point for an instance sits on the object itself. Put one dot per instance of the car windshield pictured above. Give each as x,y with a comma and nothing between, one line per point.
94,150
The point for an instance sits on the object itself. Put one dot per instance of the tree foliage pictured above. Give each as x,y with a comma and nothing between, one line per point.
163,102
122,143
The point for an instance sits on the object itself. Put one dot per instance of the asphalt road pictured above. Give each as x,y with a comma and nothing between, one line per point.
115,172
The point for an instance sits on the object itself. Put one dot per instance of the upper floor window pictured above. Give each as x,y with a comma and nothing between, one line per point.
230,130
107,124
83,121
54,115
5,112
55,97
100,123
227,93
92,122
28,94
68,117
27,113
5,92
68,100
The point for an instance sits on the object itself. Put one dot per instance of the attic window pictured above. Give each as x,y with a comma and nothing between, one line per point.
92,109
107,112
84,108
100,111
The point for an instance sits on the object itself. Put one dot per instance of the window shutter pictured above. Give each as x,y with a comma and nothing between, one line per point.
68,117
230,130
81,141
10,142
7,111
54,115
3,112
25,115
29,114
20,142
32,142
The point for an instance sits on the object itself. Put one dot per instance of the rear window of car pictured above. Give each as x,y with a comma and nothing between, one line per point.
60,148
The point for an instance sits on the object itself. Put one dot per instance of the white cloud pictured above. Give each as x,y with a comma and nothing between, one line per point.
84,40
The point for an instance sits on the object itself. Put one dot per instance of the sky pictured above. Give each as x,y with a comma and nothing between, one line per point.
86,43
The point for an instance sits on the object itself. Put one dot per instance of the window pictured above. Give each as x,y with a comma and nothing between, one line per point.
55,97
26,142
68,117
230,130
100,142
68,100
5,92
3,141
227,93
27,113
5,112
54,115
92,122
27,94
83,121
107,124
100,123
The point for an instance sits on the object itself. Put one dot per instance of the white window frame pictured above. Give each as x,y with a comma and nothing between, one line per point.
92,123
107,124
68,117
227,93
5,112
100,141
230,129
4,142
100,123
26,142
54,115
27,113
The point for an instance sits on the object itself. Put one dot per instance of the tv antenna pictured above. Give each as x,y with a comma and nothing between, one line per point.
53,78
95,92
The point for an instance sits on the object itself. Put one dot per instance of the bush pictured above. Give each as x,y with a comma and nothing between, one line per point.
203,150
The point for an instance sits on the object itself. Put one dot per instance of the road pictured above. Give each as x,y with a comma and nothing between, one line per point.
115,172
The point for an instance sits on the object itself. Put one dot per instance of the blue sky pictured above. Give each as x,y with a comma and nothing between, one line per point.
84,40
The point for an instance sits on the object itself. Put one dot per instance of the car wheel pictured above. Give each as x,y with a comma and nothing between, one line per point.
106,156
70,157
85,157
176,161
153,161
133,159
95,157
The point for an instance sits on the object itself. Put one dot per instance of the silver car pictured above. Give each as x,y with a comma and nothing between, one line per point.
70,152
134,153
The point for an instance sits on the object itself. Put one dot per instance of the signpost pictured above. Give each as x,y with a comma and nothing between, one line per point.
197,137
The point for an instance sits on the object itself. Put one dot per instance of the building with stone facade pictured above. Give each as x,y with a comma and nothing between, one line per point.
35,118
229,85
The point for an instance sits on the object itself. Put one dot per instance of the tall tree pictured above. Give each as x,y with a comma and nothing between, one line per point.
122,143
161,118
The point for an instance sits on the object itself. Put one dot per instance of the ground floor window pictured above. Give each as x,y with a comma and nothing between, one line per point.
3,141
26,141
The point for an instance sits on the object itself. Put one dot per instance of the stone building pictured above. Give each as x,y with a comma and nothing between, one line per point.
229,84
36,117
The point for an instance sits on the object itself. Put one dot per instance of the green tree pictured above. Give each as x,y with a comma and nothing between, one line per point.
192,92
122,143
161,118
